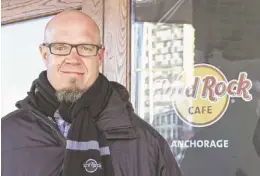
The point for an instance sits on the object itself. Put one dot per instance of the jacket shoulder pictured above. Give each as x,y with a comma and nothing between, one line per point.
147,133
12,124
144,127
11,118
166,163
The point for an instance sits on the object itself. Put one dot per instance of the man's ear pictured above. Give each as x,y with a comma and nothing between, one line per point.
100,55
44,53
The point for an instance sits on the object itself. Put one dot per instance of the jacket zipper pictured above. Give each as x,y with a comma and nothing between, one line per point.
50,123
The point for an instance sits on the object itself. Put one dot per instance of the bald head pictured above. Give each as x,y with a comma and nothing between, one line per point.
72,21
79,68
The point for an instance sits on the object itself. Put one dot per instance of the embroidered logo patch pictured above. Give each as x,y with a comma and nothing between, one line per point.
91,165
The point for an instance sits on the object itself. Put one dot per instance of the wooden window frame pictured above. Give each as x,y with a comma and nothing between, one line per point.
112,16
20,10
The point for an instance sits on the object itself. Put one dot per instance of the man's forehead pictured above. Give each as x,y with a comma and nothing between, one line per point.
72,24
72,34
64,36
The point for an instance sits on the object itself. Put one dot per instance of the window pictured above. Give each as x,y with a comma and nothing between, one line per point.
170,49
163,132
26,59
169,116
163,119
221,33
169,133
157,120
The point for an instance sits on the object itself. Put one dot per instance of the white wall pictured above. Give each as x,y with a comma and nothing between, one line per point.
20,60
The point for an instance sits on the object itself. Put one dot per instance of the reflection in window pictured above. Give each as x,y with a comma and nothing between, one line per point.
163,132
160,51
163,120
169,133
169,118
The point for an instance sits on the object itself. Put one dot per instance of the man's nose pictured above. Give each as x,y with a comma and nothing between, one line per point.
73,57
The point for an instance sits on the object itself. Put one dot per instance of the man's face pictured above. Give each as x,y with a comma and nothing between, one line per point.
72,72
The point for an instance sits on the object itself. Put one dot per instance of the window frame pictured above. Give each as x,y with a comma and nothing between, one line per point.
21,10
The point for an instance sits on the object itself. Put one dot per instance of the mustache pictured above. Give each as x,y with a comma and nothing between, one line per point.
72,68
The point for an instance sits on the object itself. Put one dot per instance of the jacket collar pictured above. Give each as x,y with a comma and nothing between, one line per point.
115,120
115,115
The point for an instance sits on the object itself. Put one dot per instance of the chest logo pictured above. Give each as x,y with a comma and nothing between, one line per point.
92,166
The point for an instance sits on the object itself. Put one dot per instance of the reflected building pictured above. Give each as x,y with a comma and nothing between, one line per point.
159,61
171,128
162,52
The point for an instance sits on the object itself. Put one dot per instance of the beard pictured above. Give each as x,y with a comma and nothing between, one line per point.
70,94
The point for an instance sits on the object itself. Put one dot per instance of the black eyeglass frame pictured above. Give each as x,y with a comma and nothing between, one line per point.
48,45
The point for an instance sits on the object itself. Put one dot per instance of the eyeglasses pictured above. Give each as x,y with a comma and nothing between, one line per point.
64,49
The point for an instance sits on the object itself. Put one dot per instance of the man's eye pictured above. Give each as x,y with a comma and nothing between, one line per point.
60,48
87,48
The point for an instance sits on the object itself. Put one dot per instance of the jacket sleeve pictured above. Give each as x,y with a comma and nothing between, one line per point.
167,165
256,138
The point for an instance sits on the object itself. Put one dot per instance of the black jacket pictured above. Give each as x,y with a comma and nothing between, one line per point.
32,145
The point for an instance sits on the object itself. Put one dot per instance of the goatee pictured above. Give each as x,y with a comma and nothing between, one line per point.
70,95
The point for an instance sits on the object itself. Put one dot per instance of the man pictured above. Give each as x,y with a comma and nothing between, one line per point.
75,122
256,137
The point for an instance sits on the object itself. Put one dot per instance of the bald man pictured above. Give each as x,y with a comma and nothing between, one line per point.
74,121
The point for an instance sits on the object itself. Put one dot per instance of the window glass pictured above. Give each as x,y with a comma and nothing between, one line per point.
179,46
21,61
